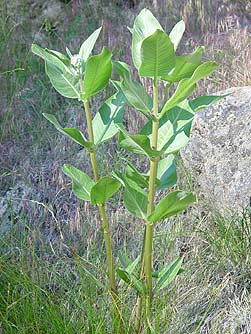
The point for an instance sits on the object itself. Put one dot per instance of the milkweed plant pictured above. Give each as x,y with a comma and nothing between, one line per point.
166,131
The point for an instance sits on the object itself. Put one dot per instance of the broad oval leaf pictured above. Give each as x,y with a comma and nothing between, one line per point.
145,25
104,189
168,274
176,143
134,92
135,201
64,82
157,55
97,73
172,204
177,33
202,102
62,58
167,174
137,97
133,174
165,133
60,72
187,86
185,65
72,133
123,70
174,128
53,57
139,144
105,120
88,45
81,182
135,198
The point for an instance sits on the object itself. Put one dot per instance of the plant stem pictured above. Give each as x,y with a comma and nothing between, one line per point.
102,211
151,196
139,297
146,265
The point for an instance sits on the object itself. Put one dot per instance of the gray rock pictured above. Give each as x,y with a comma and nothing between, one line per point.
219,152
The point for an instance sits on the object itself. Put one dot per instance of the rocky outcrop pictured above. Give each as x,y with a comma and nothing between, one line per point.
219,152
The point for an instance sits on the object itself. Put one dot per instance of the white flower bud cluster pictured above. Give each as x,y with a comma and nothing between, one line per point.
76,61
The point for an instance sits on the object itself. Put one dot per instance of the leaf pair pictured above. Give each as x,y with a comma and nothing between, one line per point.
152,49
166,174
86,189
135,200
128,273
73,81
104,122
171,134
165,276
188,85
173,129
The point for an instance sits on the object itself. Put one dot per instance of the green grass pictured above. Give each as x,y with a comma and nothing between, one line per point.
54,290
51,293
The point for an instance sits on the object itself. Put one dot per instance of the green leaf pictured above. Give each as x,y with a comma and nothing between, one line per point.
97,73
168,140
127,264
137,97
88,45
64,82
133,174
131,268
202,102
145,25
187,86
104,189
72,133
165,133
116,84
185,65
123,70
52,57
135,198
131,280
135,201
81,182
157,55
179,141
139,144
105,120
134,92
64,59
172,204
70,55
61,74
168,274
167,174
177,33
174,128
